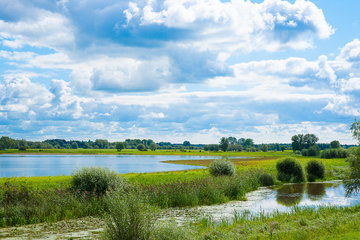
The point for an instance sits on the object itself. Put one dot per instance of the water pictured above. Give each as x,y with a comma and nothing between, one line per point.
55,165
282,199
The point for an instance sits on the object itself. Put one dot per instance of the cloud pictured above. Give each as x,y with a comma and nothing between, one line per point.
238,25
44,29
171,70
167,41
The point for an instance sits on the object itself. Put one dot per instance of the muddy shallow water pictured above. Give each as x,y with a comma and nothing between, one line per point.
282,199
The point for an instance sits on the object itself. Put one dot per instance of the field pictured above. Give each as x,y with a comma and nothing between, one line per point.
49,199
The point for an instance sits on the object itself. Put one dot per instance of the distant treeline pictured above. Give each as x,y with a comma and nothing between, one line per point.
10,143
233,144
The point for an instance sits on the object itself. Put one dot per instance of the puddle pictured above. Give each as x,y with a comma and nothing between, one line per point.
282,199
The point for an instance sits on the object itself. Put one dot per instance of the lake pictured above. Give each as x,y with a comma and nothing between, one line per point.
55,165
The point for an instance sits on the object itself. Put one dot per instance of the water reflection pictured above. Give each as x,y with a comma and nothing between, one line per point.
282,199
293,194
316,191
290,194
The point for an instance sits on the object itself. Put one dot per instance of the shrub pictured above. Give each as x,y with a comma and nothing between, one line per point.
266,179
22,148
120,146
311,151
141,147
94,180
334,153
315,170
128,217
290,170
221,167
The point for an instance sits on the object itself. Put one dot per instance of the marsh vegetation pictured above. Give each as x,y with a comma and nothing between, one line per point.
131,205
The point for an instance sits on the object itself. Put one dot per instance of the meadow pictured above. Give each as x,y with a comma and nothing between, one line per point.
29,200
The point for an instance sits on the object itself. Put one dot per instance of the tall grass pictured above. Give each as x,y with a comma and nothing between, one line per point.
21,205
299,224
205,191
128,217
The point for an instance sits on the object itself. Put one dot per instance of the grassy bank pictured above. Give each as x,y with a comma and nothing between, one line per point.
50,199
325,223
27,200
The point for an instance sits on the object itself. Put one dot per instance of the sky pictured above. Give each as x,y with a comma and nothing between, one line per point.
176,70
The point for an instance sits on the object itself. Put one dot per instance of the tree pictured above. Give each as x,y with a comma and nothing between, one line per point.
7,143
335,144
22,145
282,148
310,140
248,143
213,147
120,146
232,140
224,144
297,142
240,141
74,145
355,129
264,147
102,143
153,146
301,141
186,144
353,183
141,147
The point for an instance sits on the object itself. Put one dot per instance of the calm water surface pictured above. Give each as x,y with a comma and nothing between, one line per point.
54,165
282,199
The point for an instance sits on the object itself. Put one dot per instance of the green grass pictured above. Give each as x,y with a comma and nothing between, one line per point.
344,236
49,199
325,223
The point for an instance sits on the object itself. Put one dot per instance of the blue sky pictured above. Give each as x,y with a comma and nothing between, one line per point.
179,70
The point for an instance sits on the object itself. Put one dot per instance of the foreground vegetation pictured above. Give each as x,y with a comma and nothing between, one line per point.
22,201
298,224
51,199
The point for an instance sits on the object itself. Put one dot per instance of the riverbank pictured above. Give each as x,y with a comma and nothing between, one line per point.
173,189
300,224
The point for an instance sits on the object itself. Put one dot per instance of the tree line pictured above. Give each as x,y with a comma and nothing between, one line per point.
305,144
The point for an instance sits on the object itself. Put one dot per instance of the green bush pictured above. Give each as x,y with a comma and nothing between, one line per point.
334,153
311,151
222,167
266,179
290,170
141,147
94,180
315,170
129,217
